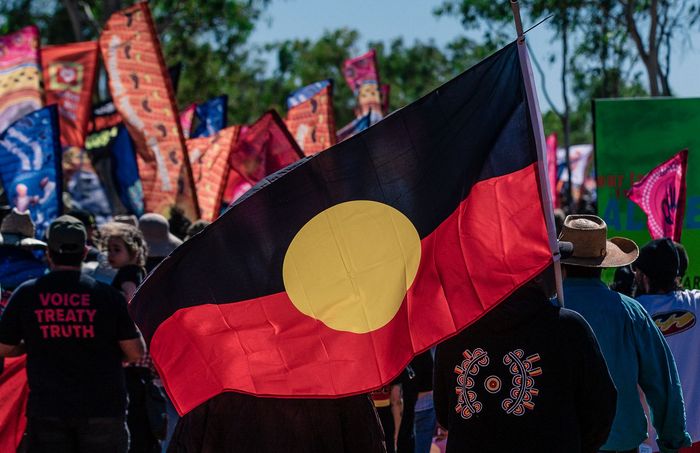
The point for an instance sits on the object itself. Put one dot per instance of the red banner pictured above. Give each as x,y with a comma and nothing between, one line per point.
310,119
69,77
20,75
209,157
143,94
661,195
265,148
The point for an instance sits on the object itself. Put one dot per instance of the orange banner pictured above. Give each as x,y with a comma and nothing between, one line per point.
69,77
209,158
310,117
143,94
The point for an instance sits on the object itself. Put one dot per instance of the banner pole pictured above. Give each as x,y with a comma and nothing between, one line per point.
538,130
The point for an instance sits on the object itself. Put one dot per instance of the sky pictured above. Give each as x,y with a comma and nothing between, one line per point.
383,20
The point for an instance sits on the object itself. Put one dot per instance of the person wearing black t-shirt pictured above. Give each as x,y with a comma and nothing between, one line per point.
75,332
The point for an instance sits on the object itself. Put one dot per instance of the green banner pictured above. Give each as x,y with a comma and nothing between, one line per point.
632,136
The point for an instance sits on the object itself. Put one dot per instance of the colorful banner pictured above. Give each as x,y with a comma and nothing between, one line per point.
186,120
83,184
266,147
362,76
552,167
30,166
361,69
20,75
632,136
113,157
310,117
212,116
661,195
209,157
327,277
143,95
69,78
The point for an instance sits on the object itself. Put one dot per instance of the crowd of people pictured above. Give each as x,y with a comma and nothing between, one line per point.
528,376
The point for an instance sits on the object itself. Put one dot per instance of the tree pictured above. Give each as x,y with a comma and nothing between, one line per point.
662,19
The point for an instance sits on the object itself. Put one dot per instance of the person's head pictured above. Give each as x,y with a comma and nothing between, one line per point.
178,222
592,250
161,242
656,270
88,221
623,281
124,245
196,227
66,242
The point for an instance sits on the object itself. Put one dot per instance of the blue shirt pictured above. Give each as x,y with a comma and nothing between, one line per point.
636,353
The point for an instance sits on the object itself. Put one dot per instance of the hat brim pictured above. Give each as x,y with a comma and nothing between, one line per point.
21,242
618,252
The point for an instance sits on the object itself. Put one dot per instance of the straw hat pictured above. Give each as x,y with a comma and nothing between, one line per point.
588,234
161,242
17,229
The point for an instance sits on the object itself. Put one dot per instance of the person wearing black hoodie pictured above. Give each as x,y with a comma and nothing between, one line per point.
528,377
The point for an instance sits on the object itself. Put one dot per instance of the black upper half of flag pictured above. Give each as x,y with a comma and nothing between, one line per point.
422,160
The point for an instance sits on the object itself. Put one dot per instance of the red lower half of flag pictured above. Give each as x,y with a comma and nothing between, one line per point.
490,245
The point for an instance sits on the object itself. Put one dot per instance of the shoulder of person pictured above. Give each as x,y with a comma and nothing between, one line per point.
634,310
22,289
571,323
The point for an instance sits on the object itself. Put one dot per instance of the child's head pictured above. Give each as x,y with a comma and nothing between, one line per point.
124,245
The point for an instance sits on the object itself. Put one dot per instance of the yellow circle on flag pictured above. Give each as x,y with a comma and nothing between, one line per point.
351,265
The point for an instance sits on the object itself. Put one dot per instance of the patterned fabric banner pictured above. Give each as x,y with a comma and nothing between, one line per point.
113,157
20,75
212,116
69,76
186,120
30,166
362,76
142,92
209,157
661,195
267,146
310,117
83,184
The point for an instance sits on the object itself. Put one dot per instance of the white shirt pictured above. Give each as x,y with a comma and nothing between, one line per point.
676,315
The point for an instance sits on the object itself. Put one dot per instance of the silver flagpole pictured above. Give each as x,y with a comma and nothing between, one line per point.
536,121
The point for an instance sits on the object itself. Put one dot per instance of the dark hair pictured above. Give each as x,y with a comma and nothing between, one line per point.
623,282
682,259
66,259
582,271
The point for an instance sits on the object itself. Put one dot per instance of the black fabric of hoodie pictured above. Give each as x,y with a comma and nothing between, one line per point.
574,401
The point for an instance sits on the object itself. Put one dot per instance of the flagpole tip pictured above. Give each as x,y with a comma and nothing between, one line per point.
515,6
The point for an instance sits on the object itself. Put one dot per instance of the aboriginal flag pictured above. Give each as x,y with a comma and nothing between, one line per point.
328,276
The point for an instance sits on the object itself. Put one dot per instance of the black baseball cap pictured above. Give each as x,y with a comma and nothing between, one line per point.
66,235
658,260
